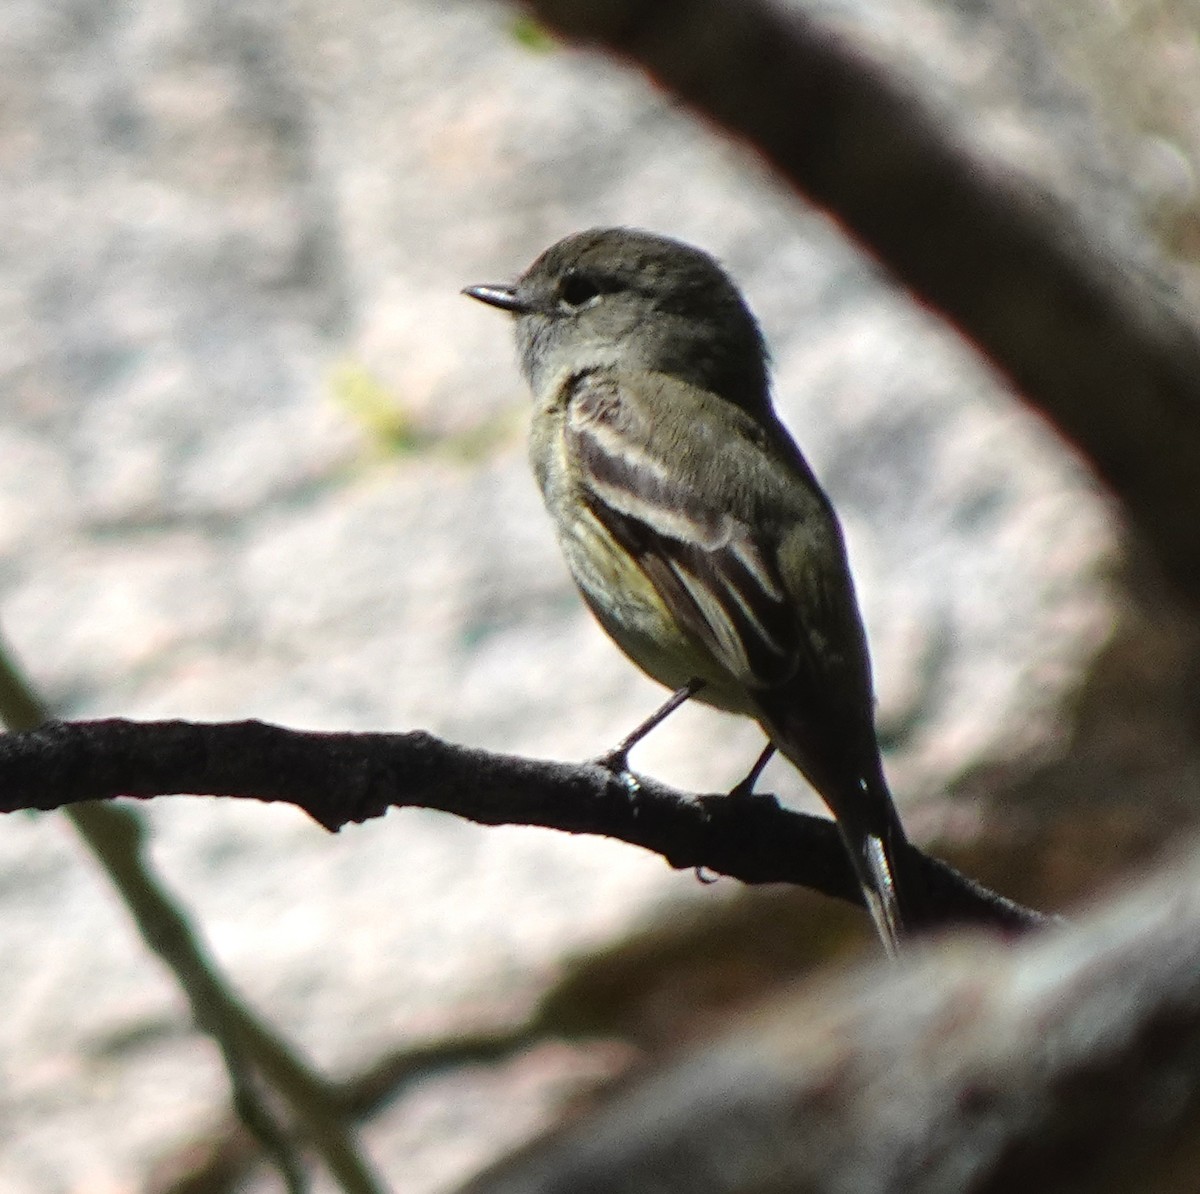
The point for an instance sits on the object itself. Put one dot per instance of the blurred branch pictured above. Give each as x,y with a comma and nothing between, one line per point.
1067,1062
249,1048
220,1159
116,838
1102,351
339,778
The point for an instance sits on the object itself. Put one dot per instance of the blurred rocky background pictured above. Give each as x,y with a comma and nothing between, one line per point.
258,458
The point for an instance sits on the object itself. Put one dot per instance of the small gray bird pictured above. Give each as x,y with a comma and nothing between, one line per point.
692,525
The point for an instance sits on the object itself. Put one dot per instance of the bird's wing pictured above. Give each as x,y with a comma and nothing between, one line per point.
652,457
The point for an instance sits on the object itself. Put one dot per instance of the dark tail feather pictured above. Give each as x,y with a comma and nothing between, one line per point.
866,817
875,868
879,853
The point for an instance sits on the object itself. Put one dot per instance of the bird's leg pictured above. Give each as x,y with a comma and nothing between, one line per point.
745,787
617,759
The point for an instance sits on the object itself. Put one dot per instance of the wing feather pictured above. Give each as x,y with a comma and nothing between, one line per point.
711,568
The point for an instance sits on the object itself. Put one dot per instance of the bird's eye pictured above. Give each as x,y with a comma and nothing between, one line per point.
577,289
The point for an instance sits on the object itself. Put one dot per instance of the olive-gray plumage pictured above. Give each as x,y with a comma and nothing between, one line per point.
692,525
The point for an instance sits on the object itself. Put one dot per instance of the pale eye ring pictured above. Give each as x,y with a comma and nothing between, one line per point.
578,289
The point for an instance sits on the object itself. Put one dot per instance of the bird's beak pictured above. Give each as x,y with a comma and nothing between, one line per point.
498,295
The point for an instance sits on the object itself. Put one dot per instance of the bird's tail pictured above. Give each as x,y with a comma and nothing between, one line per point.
879,853
892,886
847,773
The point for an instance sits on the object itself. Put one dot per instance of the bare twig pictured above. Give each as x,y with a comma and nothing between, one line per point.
338,778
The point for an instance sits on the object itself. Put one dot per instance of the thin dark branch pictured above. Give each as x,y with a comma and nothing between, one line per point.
1100,349
339,778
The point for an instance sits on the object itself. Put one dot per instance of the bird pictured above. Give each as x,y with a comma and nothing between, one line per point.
694,528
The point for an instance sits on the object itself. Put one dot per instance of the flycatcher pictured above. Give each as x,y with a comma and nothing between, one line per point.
692,525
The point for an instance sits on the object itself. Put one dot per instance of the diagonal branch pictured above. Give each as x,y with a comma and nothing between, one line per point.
250,1048
1101,350
338,778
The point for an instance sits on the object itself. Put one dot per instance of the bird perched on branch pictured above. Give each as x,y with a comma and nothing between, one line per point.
693,526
